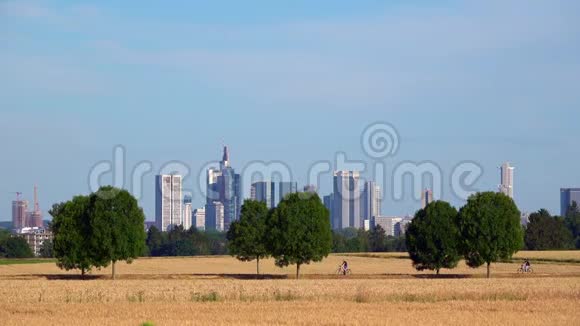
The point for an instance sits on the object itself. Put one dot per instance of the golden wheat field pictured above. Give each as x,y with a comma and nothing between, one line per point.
383,289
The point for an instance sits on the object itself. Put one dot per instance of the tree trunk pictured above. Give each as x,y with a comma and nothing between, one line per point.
437,271
258,265
83,272
297,271
488,272
113,269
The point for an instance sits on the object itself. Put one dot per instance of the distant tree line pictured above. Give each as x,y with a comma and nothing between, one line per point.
13,246
180,242
359,240
546,232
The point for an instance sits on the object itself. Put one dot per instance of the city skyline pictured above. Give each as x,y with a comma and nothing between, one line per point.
297,85
276,191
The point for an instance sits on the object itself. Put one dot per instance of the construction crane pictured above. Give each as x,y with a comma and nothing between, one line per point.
18,194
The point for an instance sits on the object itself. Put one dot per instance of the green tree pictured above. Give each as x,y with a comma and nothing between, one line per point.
350,240
432,237
116,227
246,237
4,235
490,229
545,232
46,249
377,239
70,227
359,243
338,242
154,241
572,220
15,247
396,244
180,242
299,231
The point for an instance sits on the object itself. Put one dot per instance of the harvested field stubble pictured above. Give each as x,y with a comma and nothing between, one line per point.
361,264
356,290
179,291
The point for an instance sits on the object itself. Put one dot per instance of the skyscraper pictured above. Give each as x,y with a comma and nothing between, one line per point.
346,210
567,196
187,212
168,202
507,180
199,218
426,197
214,216
224,186
19,213
284,188
187,216
328,203
371,200
264,191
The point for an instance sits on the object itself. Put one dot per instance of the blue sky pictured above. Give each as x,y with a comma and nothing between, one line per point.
294,81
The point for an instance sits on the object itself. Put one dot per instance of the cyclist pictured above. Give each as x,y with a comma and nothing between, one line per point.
344,267
526,265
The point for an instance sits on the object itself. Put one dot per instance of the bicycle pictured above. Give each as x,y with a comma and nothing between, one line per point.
341,271
524,271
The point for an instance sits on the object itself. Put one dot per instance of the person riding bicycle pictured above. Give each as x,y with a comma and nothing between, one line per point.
344,267
526,265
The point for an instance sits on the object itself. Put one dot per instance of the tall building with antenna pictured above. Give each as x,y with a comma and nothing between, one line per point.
223,186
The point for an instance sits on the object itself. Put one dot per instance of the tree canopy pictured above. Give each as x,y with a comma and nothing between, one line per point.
572,220
116,227
96,230
546,232
433,237
376,239
490,229
70,227
46,249
247,236
299,231
13,246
